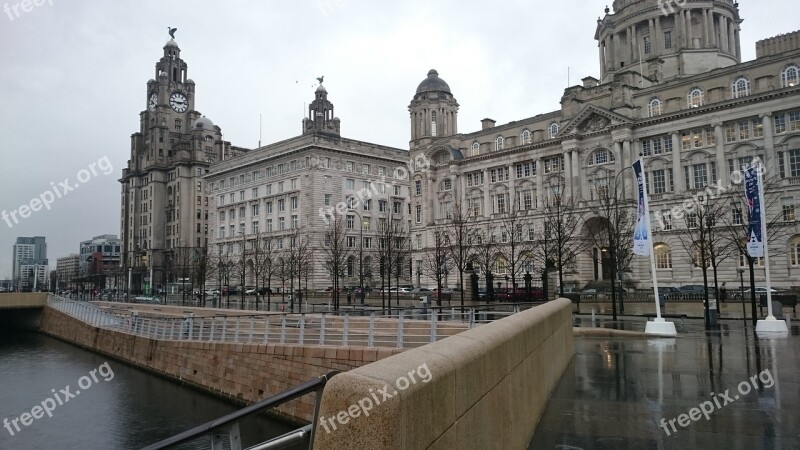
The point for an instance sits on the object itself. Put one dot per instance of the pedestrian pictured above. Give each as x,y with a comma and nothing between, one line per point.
723,293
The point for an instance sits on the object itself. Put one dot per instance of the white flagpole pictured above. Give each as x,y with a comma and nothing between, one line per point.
771,324
659,326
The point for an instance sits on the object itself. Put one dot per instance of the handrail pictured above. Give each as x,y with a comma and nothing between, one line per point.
276,400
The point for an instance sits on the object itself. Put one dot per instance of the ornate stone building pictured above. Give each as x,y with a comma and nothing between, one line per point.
296,186
673,88
163,202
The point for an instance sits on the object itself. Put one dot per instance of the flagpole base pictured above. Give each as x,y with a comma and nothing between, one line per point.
771,325
660,327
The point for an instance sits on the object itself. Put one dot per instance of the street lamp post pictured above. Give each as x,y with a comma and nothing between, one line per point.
741,294
613,247
360,254
244,269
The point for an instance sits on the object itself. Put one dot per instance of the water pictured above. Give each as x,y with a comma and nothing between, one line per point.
130,410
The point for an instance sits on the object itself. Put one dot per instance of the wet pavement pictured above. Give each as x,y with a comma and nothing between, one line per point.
616,391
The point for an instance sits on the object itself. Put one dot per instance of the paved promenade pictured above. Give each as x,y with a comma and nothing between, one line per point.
616,392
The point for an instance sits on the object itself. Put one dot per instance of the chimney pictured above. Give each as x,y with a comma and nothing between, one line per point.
487,123
590,82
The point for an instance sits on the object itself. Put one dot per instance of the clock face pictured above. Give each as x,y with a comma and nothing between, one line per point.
153,102
178,102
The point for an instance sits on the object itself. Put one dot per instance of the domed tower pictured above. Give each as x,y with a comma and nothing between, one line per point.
668,39
320,115
434,110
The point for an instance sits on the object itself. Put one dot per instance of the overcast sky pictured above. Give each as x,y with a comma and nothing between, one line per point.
73,79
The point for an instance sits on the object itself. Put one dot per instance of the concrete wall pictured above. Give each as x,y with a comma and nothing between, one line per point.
244,372
17,300
487,389
21,311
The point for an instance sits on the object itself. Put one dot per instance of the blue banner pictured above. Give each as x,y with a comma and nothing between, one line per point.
641,236
755,229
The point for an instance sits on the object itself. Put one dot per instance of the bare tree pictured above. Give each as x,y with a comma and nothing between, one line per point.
437,261
392,251
612,230
336,252
183,267
515,246
202,267
485,255
560,234
460,239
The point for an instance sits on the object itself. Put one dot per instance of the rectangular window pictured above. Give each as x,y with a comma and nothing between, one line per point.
381,205
351,241
349,166
268,189
295,223
269,225
365,168
758,128
659,182
281,205
666,217
788,209
668,39
686,141
794,121
527,199
255,227
367,242
780,123
254,210
418,187
293,182
794,163
418,213
500,204
730,133
254,193
396,206
646,147
268,207
367,204
351,222
691,221
293,202
744,130
668,144
700,173
350,184
241,212
647,45
474,207
280,187
328,198
281,223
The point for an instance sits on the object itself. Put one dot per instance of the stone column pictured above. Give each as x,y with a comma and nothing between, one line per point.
629,37
512,188
732,38
680,29
706,40
576,175
723,32
618,161
658,42
629,158
738,42
567,174
652,33
429,199
487,198
689,31
677,169
723,177
769,145
539,183
609,54
600,46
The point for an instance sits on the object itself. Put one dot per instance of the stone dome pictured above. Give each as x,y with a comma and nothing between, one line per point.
171,43
433,84
203,123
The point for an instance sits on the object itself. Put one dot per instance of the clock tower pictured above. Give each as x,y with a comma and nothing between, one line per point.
164,210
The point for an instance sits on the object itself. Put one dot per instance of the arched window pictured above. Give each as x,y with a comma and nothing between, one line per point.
476,148
654,107
433,123
794,251
663,256
740,87
351,267
695,98
790,77
553,130
499,143
601,156
525,138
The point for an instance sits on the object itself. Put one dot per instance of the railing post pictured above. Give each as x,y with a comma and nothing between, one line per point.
302,328
172,329
400,330
252,324
200,331
345,330
236,335
371,334
266,329
224,328
471,318
190,322
433,327
322,330
283,329
211,332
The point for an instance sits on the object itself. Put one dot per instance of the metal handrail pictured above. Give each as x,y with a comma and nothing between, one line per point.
193,433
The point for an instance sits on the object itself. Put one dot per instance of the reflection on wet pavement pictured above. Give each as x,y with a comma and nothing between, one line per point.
616,391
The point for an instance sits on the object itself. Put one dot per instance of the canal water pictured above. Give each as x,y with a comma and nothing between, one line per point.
97,402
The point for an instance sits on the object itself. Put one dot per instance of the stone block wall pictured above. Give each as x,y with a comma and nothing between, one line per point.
244,372
486,389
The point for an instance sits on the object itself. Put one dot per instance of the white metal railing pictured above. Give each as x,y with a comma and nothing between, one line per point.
369,329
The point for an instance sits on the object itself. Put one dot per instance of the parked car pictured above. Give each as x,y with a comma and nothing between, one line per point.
600,287
421,290
519,295
212,292
668,293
